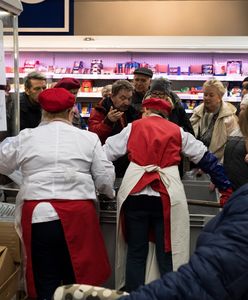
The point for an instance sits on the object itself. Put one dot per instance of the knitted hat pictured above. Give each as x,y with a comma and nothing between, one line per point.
143,71
56,99
162,85
158,104
68,83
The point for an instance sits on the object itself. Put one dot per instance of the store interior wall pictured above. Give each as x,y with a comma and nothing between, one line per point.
172,18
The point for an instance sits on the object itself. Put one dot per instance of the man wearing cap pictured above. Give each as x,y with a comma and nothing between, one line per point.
152,195
141,81
112,114
62,167
30,110
72,85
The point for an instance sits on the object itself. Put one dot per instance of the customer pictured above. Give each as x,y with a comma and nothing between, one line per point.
55,214
72,85
152,195
214,119
141,82
112,114
30,111
161,88
236,151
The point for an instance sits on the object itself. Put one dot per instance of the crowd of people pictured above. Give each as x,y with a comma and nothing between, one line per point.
138,132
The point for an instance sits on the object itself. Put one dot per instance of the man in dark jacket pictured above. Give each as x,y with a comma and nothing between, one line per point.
30,111
141,82
112,114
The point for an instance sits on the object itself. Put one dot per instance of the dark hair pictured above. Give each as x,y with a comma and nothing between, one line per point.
33,75
245,79
121,85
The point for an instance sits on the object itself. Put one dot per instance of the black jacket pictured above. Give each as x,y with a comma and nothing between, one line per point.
30,114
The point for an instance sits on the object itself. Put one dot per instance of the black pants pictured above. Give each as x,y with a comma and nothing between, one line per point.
50,258
141,214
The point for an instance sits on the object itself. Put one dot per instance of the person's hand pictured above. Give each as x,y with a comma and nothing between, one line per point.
225,195
246,158
114,114
211,187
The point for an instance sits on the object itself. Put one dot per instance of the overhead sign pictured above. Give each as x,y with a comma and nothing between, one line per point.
46,17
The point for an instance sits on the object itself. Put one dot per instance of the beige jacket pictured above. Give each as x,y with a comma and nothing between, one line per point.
226,122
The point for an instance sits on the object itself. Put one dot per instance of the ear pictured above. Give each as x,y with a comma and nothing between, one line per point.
27,91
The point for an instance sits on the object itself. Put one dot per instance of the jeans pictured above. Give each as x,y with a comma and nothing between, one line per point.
143,213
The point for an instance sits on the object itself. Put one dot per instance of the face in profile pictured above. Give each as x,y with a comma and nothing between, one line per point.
37,86
141,83
122,100
211,98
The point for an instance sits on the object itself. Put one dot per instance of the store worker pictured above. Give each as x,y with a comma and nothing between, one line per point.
72,85
141,81
30,110
112,114
62,166
152,195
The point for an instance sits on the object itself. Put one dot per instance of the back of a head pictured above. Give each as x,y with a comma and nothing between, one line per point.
161,84
55,100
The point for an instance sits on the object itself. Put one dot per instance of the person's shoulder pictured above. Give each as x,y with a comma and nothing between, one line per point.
228,108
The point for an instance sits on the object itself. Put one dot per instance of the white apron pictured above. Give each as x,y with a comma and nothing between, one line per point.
179,221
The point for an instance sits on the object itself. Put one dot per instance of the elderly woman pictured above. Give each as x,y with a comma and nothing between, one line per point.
55,214
214,120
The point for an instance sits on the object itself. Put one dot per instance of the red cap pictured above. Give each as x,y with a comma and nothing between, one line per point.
68,83
56,99
158,104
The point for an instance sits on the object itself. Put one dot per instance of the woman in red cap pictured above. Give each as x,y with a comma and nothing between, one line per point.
152,196
62,167
72,85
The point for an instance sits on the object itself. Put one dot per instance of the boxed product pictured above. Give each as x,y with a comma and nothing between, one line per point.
207,69
174,70
220,68
195,69
162,68
233,67
9,275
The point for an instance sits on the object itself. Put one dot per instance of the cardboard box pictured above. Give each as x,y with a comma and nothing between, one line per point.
10,239
9,275
7,266
10,287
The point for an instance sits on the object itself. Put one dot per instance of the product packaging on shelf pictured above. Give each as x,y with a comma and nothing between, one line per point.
207,69
162,68
233,67
220,68
195,69
78,67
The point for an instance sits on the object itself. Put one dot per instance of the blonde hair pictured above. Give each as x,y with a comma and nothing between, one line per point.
217,84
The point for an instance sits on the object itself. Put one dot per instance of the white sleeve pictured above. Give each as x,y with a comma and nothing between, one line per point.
191,147
8,155
103,172
116,145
